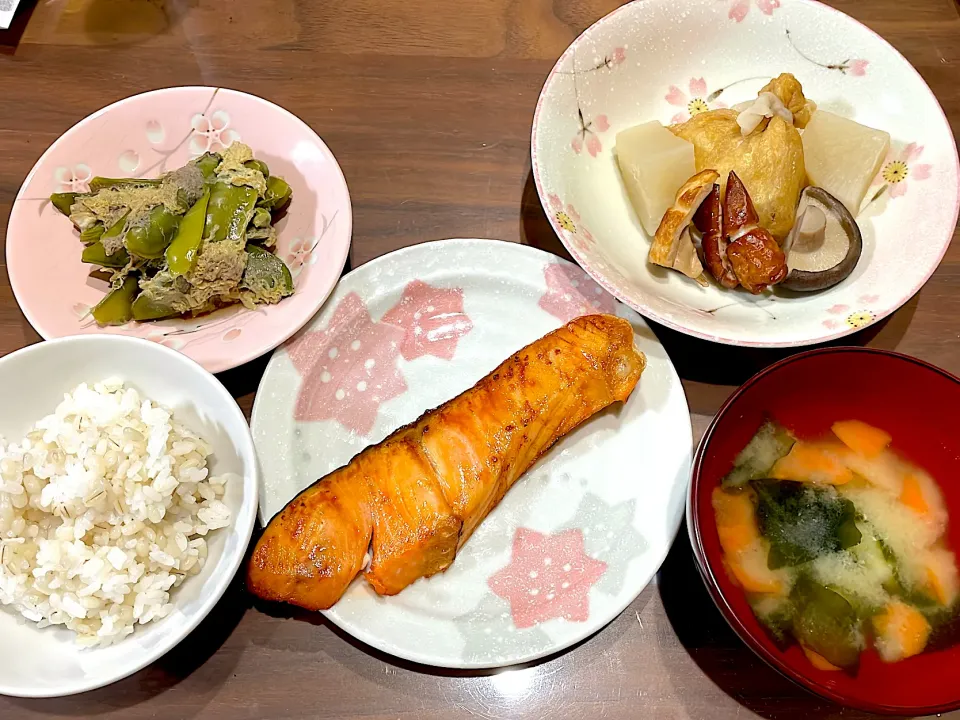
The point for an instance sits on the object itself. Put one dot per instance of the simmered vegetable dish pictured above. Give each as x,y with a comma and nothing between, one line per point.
840,544
186,243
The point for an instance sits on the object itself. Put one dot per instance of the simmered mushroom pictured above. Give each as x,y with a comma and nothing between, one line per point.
824,245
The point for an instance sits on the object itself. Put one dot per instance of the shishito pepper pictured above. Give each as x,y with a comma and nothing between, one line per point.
207,163
182,253
64,201
229,211
92,234
144,308
261,218
258,165
278,193
95,254
151,239
116,308
101,183
110,234
266,276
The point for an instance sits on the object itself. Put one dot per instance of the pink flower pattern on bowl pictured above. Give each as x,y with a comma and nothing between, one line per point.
858,68
73,179
694,103
857,319
588,135
739,9
211,134
302,251
897,168
568,219
300,254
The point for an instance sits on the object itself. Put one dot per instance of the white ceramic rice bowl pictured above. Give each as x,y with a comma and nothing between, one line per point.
47,662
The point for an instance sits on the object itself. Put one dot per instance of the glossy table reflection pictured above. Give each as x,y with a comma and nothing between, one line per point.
427,105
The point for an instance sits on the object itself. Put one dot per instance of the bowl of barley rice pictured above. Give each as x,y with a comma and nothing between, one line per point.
128,495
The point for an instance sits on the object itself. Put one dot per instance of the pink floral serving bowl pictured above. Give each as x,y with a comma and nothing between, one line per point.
662,60
144,136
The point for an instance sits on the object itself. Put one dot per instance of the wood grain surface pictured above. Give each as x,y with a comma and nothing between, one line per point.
427,104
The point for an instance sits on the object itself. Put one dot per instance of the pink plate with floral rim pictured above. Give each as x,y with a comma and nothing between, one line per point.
144,136
663,60
580,534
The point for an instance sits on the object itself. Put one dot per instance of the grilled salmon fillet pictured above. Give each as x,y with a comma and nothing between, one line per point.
414,499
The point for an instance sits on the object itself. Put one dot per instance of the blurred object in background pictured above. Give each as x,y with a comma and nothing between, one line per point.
7,9
14,15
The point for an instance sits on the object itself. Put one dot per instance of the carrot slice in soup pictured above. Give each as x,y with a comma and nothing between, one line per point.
750,569
942,582
736,520
901,631
861,438
912,495
818,660
813,463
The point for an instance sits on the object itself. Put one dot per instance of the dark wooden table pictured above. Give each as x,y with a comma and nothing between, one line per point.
427,105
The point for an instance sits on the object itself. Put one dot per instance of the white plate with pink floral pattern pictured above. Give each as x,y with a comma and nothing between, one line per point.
662,60
144,136
573,542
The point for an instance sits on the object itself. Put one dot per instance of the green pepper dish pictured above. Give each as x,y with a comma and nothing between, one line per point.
189,242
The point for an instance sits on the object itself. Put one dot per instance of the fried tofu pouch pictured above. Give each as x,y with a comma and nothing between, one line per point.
769,161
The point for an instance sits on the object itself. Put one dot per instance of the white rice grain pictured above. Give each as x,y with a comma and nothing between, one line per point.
104,509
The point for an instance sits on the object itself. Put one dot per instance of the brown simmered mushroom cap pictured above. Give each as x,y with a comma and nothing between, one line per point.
820,255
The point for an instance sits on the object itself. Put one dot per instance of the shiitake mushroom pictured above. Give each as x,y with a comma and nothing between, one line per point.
824,245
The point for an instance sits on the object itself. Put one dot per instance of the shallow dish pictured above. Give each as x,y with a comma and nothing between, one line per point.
144,136
573,542
653,60
807,392
47,662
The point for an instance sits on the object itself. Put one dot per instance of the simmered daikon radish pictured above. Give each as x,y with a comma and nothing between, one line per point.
654,163
843,156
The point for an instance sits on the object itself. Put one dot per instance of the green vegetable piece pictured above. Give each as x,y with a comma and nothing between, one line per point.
208,163
229,211
776,615
96,255
102,183
182,253
770,443
266,277
871,554
278,193
261,218
64,201
92,234
827,623
803,522
264,237
151,239
116,306
144,308
258,165
115,230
